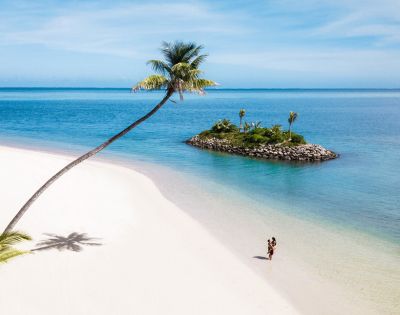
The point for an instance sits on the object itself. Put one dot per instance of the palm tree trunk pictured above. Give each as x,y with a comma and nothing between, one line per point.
290,131
82,158
240,124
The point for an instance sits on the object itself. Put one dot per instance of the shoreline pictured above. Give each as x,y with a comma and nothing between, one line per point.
311,285
153,257
146,168
293,280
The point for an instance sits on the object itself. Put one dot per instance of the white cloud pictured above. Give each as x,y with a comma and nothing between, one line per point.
121,30
331,39
332,63
377,22
360,19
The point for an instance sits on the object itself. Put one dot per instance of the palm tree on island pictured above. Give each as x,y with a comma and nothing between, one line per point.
242,112
246,127
292,118
177,73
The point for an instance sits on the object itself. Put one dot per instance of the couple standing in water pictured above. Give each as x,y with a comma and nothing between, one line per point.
271,247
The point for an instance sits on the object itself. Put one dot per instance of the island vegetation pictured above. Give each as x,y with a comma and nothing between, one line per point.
253,134
252,139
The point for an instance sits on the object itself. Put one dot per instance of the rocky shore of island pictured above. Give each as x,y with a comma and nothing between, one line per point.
302,152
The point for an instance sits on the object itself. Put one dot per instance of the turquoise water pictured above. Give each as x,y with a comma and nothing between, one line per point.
359,191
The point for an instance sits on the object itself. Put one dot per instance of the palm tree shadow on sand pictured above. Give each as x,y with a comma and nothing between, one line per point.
74,242
261,257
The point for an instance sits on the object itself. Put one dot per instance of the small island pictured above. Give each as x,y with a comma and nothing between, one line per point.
253,140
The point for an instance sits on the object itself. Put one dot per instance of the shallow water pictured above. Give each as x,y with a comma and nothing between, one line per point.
355,197
360,190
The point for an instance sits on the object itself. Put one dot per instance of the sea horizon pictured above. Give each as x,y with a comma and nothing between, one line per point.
207,89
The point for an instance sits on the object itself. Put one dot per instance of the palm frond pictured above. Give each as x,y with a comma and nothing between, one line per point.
159,66
10,238
153,82
201,84
181,66
197,85
292,117
7,240
6,255
180,52
198,60
190,51
166,50
184,71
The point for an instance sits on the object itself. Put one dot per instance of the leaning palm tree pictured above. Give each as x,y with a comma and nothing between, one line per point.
179,73
292,118
7,240
242,112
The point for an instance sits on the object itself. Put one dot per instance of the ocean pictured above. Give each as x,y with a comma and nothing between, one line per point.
357,195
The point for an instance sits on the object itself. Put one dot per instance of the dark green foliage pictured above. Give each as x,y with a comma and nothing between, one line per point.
246,127
256,138
268,132
205,133
225,126
258,131
254,134
297,139
277,135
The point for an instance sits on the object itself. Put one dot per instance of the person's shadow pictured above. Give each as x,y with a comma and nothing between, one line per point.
261,257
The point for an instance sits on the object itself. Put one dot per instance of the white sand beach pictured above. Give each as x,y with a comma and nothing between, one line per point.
153,258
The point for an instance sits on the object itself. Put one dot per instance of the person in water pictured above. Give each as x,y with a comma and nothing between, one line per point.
270,250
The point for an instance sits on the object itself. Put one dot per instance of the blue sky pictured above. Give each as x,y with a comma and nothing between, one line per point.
270,43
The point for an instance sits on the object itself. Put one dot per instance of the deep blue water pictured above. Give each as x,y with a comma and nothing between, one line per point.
360,190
